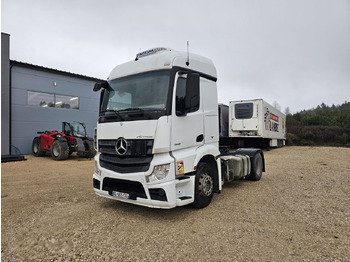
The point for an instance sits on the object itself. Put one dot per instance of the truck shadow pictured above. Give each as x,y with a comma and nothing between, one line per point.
182,212
150,213
236,184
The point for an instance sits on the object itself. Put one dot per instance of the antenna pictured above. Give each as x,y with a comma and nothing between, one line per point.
188,54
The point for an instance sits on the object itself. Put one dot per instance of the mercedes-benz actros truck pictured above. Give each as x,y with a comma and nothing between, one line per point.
157,134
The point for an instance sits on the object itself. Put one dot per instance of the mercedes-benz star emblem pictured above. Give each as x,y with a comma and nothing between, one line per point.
121,146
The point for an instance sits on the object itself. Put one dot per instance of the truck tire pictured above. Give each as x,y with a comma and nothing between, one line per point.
36,147
59,150
256,167
89,152
204,185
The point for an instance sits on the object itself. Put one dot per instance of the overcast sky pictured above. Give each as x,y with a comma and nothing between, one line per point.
293,52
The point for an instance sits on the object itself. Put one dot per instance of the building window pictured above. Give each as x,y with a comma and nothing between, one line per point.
69,102
41,99
52,100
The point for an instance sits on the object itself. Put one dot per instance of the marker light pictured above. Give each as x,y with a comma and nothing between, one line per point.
151,52
159,173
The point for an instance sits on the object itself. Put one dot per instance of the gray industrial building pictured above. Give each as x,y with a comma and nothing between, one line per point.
36,98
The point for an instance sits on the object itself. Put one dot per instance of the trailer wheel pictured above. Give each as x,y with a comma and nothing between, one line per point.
204,186
59,150
89,152
36,147
257,167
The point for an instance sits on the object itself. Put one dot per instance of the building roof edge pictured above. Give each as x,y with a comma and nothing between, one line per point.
52,70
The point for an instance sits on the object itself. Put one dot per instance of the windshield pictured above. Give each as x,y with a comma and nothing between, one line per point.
147,91
78,129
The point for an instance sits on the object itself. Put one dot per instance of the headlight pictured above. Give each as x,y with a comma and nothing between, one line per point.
97,170
159,173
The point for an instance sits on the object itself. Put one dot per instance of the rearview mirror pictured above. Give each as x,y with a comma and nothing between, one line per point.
99,85
192,93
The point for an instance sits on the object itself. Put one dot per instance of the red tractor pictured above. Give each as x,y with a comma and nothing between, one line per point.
73,138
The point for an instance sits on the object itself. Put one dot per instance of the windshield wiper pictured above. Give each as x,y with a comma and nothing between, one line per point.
115,113
131,109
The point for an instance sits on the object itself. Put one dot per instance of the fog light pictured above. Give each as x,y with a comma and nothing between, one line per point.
159,173
97,170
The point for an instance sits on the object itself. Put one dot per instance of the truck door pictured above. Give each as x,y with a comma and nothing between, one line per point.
187,118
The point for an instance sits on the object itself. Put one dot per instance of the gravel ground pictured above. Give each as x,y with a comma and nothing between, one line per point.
298,211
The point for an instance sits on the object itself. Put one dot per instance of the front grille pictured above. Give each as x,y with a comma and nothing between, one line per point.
133,188
137,158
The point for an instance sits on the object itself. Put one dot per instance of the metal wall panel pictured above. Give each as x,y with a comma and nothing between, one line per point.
5,94
28,119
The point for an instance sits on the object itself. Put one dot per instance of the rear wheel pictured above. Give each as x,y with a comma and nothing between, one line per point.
59,150
36,147
257,167
89,146
204,186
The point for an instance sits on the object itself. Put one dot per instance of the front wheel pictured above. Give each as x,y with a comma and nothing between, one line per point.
204,186
59,150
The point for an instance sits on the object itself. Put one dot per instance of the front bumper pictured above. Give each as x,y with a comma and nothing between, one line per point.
166,193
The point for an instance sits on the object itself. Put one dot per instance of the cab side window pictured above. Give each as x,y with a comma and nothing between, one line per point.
180,96
187,95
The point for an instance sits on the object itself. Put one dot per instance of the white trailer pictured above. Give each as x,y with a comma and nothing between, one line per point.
158,133
255,122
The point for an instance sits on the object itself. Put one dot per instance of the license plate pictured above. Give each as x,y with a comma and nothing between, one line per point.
120,195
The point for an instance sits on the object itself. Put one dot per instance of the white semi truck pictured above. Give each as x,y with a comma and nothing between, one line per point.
256,123
158,133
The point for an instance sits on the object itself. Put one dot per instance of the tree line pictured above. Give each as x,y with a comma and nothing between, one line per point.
321,126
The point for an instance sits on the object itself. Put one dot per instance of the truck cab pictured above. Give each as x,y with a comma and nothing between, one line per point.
158,131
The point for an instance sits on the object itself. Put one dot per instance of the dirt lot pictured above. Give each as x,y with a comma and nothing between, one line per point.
298,211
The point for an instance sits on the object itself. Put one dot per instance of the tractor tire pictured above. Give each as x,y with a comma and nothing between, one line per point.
89,145
204,186
89,152
36,147
59,150
257,168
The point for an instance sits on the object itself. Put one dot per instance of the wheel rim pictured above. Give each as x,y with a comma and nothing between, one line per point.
206,185
55,151
35,148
